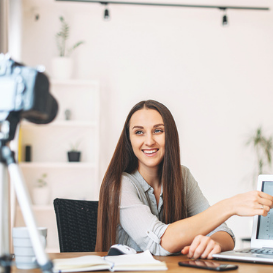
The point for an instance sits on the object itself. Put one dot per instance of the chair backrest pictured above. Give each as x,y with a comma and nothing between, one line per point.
77,224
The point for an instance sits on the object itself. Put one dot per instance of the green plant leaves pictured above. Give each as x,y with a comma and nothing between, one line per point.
263,147
61,38
41,182
74,47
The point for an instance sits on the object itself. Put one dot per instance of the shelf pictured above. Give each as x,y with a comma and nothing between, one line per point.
57,165
50,144
59,123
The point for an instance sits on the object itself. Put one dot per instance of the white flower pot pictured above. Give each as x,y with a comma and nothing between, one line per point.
40,196
62,68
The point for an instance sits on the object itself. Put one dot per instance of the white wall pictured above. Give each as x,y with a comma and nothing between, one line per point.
217,81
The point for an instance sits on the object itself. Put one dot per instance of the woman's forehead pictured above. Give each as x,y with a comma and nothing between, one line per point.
146,117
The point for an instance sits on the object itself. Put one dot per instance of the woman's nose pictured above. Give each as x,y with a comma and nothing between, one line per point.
149,140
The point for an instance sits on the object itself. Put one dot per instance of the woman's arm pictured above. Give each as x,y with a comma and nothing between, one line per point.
182,233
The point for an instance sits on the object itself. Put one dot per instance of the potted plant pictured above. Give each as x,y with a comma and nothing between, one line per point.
62,65
41,191
263,149
74,155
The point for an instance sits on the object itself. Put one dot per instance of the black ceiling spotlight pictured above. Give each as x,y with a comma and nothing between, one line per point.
225,18
106,14
106,11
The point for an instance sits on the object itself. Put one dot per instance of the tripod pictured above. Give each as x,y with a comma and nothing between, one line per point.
8,166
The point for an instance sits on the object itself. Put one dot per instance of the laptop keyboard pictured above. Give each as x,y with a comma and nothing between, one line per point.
267,251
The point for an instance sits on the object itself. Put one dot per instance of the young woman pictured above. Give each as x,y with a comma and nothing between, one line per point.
149,201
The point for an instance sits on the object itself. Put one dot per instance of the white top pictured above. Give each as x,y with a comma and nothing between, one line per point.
141,225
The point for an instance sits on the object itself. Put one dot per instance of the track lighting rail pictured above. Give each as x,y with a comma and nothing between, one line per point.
169,5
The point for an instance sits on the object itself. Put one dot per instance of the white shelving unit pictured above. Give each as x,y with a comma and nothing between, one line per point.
50,144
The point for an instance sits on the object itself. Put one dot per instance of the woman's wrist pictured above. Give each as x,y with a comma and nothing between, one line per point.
226,207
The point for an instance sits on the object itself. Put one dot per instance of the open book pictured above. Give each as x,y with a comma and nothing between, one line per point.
132,262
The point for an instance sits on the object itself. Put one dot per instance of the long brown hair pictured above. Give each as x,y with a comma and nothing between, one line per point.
124,160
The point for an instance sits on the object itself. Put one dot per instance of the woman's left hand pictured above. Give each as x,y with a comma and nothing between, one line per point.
201,247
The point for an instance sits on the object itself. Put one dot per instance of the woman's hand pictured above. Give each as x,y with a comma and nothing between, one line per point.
251,203
201,247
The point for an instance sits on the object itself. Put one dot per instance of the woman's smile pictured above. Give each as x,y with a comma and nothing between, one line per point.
151,152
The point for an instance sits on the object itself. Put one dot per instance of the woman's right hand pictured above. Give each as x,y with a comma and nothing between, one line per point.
251,203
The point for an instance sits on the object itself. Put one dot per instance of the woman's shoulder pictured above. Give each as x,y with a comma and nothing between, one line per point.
184,168
127,177
137,180
128,181
185,171
187,177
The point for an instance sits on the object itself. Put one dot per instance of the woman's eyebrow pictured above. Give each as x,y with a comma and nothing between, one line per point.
157,125
140,127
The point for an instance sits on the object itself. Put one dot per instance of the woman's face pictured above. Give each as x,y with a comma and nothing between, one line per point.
147,137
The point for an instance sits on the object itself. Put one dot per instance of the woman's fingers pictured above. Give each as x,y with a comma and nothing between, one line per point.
261,212
265,199
264,203
210,247
185,250
216,249
202,246
195,250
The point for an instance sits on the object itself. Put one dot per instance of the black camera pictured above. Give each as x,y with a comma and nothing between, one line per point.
24,93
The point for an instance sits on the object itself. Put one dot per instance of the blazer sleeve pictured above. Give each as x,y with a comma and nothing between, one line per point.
197,202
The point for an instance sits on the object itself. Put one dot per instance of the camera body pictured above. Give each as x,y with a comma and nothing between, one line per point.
24,93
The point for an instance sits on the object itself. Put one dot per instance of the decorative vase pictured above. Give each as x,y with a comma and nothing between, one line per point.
62,68
40,196
74,156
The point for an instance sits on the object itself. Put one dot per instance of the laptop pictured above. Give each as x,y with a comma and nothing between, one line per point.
261,250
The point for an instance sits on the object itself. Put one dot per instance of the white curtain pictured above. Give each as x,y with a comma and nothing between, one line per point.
4,12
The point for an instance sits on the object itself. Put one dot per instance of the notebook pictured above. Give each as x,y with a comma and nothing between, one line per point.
131,262
261,250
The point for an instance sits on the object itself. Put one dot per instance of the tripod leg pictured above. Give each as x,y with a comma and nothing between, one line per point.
25,205
4,214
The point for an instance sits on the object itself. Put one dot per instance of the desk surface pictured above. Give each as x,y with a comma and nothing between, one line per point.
172,263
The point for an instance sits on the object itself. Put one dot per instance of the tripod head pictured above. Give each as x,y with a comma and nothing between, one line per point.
24,93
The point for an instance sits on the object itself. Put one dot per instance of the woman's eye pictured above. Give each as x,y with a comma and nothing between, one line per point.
138,132
158,131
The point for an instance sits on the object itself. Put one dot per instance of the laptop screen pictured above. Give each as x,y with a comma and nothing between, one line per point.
265,224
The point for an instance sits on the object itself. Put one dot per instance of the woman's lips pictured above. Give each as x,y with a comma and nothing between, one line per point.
150,152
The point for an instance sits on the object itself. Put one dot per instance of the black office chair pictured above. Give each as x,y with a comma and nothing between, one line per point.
77,224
